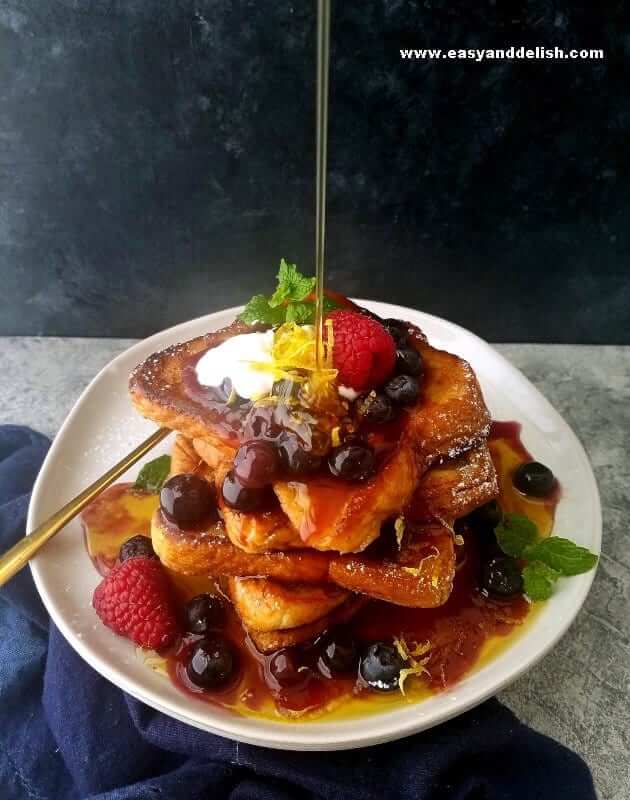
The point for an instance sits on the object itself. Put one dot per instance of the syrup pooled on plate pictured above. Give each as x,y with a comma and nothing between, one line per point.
507,453
293,684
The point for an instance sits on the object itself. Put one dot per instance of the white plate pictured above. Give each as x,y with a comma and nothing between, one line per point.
103,426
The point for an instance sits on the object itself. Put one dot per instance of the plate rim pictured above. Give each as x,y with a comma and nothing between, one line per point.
280,734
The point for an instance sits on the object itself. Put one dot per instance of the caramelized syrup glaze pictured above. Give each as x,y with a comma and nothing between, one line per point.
463,632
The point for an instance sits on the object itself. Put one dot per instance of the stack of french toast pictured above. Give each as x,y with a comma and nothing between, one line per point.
315,553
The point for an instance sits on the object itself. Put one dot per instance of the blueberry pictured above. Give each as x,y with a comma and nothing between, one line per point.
203,613
351,462
408,361
375,407
487,516
397,329
241,498
212,663
286,668
338,653
136,546
403,390
380,667
256,464
501,576
187,499
534,478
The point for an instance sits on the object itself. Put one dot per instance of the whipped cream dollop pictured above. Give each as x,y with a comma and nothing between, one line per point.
238,358
242,359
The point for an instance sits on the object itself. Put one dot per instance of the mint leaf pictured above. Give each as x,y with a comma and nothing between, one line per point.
539,580
256,309
562,555
292,285
152,475
515,534
301,313
259,310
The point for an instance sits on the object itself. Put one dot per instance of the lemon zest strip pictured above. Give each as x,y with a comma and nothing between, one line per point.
414,657
417,571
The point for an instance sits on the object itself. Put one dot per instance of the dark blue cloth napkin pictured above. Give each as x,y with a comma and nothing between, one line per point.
66,733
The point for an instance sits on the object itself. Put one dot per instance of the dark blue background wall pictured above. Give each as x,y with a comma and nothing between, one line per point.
156,161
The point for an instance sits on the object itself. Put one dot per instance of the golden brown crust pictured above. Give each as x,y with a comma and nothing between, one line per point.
264,604
260,531
184,458
451,416
157,391
210,552
275,640
456,487
420,575
215,452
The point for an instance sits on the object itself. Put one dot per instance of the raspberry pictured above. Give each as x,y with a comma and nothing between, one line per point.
135,600
364,353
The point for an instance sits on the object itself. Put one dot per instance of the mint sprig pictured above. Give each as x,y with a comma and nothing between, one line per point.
288,303
547,558
153,474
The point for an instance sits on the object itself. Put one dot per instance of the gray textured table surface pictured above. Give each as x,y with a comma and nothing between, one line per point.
579,693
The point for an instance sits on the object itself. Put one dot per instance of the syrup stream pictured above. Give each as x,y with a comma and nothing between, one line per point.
323,60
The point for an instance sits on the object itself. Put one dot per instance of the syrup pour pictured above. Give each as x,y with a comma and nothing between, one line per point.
323,62
467,631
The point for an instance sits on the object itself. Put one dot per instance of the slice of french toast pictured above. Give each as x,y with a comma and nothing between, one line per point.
422,577
260,531
265,605
270,641
185,458
332,515
209,551
452,489
418,575
158,391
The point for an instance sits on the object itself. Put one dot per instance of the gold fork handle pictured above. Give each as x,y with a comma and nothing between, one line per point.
21,553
